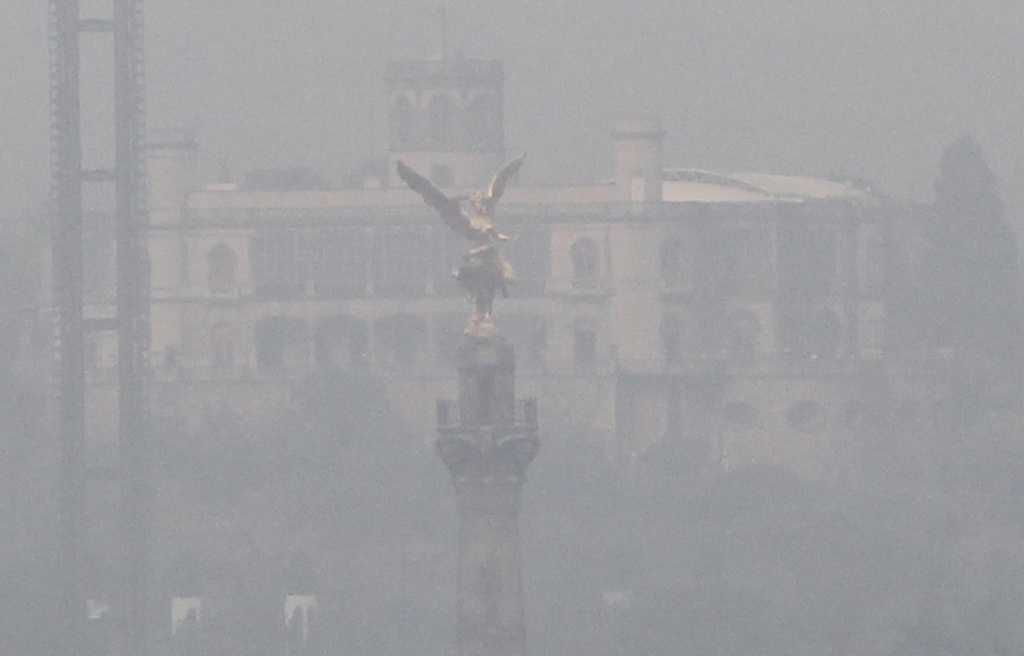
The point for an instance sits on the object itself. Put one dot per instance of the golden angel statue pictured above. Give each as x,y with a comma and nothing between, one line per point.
483,271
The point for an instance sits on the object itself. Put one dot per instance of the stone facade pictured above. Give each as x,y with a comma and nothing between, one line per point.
737,312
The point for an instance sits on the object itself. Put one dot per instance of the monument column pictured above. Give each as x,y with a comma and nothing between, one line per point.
487,439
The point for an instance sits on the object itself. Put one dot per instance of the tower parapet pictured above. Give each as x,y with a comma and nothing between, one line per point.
446,118
487,439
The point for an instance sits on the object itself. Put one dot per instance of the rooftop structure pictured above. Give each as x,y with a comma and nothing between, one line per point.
446,118
696,186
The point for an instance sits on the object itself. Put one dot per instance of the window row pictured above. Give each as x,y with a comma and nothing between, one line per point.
410,262
800,332
810,416
801,261
391,262
399,342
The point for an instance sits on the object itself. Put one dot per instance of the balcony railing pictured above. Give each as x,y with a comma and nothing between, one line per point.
449,415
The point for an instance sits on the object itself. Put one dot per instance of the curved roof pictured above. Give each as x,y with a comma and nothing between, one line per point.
695,185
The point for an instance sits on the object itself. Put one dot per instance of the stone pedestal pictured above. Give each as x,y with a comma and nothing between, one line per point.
487,439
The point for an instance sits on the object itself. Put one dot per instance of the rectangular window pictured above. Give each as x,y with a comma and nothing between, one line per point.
280,342
279,265
585,347
397,340
808,263
339,263
402,268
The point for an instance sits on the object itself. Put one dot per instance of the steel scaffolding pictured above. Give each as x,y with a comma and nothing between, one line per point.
66,171
132,319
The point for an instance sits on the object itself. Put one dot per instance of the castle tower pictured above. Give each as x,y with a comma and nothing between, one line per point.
446,119
487,439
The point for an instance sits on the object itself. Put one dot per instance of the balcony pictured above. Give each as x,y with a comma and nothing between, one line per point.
449,414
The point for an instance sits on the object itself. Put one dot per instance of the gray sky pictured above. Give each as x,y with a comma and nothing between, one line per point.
871,88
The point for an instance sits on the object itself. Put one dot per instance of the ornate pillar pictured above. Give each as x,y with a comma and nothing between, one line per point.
487,439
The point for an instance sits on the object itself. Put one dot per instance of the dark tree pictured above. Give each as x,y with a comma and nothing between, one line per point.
970,276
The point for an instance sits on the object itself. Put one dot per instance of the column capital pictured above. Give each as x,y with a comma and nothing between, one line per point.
488,454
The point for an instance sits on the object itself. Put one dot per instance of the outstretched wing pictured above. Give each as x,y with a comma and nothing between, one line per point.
497,186
448,208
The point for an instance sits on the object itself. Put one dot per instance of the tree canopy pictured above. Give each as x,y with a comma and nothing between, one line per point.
970,276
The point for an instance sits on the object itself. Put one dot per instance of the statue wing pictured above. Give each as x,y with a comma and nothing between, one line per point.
497,186
448,208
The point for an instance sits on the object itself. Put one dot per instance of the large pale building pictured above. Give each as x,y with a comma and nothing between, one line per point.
742,316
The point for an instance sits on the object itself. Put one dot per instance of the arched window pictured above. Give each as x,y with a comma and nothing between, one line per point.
674,265
585,256
222,267
441,123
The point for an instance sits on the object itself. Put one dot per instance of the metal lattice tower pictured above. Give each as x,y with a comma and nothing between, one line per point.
131,321
66,171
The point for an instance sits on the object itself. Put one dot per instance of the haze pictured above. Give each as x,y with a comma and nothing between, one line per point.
907,534
871,89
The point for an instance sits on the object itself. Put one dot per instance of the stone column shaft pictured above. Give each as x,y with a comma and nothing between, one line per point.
490,602
487,445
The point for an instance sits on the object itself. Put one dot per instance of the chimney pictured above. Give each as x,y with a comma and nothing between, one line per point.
638,159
